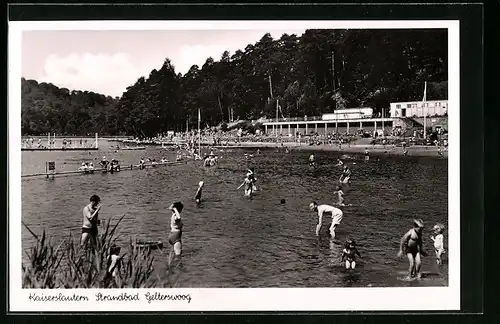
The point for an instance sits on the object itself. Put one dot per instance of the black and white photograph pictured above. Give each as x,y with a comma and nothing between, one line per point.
234,165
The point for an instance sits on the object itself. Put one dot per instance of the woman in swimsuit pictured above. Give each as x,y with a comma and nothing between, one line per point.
175,229
411,245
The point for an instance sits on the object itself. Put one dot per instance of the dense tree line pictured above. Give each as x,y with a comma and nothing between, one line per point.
315,73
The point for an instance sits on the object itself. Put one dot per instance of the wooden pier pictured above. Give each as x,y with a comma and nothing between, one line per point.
102,170
60,149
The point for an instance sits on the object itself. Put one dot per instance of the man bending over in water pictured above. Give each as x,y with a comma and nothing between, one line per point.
411,245
337,216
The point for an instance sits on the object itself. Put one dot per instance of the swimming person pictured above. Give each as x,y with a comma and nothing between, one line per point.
91,167
142,164
340,196
197,197
176,226
337,216
346,175
90,221
349,254
367,154
438,239
411,245
339,162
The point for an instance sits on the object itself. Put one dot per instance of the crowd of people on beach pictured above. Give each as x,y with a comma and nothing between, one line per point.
411,243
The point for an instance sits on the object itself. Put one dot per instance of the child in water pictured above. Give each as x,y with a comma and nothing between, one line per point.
312,161
251,176
197,197
248,186
114,262
349,254
411,245
438,239
340,196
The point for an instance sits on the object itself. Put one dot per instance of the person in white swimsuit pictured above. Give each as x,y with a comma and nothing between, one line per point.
337,216
438,239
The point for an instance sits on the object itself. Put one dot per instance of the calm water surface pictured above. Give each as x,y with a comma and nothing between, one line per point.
231,241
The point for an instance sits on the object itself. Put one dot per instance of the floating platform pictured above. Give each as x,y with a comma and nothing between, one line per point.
102,170
61,149
153,245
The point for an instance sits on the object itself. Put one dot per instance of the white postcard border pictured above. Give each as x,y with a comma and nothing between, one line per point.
235,299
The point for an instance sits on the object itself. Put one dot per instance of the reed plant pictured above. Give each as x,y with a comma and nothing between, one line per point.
69,265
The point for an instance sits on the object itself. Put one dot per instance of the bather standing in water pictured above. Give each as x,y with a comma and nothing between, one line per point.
312,160
346,175
248,186
340,196
411,245
176,226
251,176
197,197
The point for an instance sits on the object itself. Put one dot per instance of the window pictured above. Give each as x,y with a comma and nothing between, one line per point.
408,106
403,112
398,106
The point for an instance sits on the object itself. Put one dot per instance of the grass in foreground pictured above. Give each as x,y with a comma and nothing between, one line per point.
68,265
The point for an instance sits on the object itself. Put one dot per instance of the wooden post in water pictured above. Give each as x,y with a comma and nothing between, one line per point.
96,141
50,168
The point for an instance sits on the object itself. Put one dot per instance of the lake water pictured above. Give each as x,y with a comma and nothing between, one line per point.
231,241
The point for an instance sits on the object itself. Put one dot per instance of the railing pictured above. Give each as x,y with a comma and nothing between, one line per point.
341,118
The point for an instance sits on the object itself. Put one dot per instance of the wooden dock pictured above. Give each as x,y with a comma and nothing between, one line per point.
102,170
38,149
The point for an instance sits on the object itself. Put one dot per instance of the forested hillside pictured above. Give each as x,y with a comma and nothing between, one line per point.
315,73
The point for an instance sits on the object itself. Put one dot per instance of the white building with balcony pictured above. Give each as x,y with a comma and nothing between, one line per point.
419,108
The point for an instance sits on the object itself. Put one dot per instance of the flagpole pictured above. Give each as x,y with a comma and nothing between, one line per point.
423,110
199,132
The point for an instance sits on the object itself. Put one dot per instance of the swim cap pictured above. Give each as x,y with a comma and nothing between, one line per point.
200,184
311,205
283,201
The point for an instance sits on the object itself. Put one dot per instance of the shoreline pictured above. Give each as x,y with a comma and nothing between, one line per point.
427,151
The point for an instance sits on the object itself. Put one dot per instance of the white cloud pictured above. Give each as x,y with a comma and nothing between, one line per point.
103,73
190,55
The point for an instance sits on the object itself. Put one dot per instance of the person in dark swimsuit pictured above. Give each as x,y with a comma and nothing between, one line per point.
176,226
411,245
349,254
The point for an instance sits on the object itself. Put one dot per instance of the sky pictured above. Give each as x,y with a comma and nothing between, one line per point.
108,61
